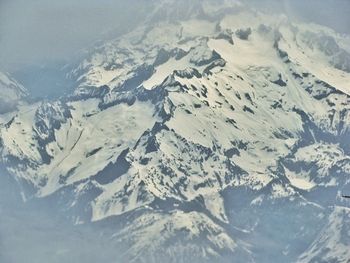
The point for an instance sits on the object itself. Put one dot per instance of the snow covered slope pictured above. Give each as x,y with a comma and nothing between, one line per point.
332,244
198,137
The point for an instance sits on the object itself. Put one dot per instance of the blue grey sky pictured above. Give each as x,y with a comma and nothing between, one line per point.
36,31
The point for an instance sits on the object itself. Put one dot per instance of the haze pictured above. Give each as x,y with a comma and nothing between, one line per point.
42,32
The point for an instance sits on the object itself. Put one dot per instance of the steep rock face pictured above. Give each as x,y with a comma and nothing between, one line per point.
198,142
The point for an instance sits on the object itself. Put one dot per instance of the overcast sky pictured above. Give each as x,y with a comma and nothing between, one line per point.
37,31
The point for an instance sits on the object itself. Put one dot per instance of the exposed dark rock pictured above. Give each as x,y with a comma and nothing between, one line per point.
244,33
113,170
280,81
247,109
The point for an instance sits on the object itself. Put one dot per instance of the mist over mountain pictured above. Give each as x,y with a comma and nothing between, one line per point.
57,31
174,131
53,35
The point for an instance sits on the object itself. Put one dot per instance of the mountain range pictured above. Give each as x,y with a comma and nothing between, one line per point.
211,133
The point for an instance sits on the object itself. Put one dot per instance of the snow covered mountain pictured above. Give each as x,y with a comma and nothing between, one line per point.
332,244
215,134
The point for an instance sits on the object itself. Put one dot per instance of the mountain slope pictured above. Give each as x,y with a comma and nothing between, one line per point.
11,92
332,245
192,136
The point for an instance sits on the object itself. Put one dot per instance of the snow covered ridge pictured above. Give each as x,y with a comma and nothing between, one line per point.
195,136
